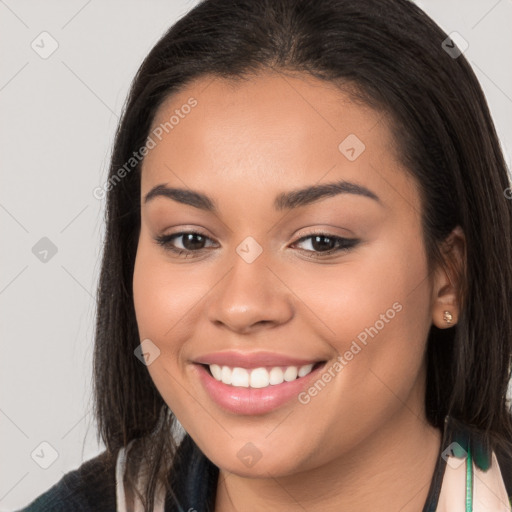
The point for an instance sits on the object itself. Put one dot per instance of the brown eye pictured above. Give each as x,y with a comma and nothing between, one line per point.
324,244
191,241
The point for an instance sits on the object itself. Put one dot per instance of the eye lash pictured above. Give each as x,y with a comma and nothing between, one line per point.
165,242
343,244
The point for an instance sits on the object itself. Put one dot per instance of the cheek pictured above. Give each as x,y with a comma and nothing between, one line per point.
168,301
368,287
375,308
378,314
161,302
163,299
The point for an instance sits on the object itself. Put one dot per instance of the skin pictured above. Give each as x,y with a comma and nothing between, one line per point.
364,439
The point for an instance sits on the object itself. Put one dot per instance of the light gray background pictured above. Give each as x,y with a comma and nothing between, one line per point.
58,117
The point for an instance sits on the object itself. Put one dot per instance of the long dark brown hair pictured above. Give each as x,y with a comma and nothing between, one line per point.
390,55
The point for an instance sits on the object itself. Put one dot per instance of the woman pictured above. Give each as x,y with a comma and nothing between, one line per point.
305,299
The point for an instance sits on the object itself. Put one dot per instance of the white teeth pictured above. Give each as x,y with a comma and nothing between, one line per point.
276,376
225,375
290,373
216,371
304,370
258,377
239,377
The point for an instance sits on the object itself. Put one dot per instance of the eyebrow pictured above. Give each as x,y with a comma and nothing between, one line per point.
283,201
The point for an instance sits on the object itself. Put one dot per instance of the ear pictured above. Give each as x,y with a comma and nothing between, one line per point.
448,280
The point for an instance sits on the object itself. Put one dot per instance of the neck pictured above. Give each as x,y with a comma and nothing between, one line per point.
395,466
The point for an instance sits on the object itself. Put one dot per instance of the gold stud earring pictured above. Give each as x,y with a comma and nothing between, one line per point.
447,317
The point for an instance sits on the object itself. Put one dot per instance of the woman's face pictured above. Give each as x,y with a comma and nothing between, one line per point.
257,289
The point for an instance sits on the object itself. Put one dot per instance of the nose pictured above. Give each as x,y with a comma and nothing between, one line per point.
250,297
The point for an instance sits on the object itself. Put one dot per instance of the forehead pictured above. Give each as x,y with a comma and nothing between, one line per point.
271,129
266,103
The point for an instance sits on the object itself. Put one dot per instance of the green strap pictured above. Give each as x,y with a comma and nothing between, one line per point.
469,481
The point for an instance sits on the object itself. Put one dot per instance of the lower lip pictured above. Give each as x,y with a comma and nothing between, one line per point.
253,401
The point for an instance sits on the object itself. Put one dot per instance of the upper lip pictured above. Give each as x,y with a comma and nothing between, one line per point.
252,359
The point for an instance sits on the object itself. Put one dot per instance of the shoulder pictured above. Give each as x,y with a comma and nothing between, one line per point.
91,487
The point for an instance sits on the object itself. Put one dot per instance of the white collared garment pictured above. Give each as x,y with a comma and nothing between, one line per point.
122,505
489,492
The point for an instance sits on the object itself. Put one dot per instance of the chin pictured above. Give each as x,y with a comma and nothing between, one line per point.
258,460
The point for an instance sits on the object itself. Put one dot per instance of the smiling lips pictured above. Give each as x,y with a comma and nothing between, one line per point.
247,400
254,383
